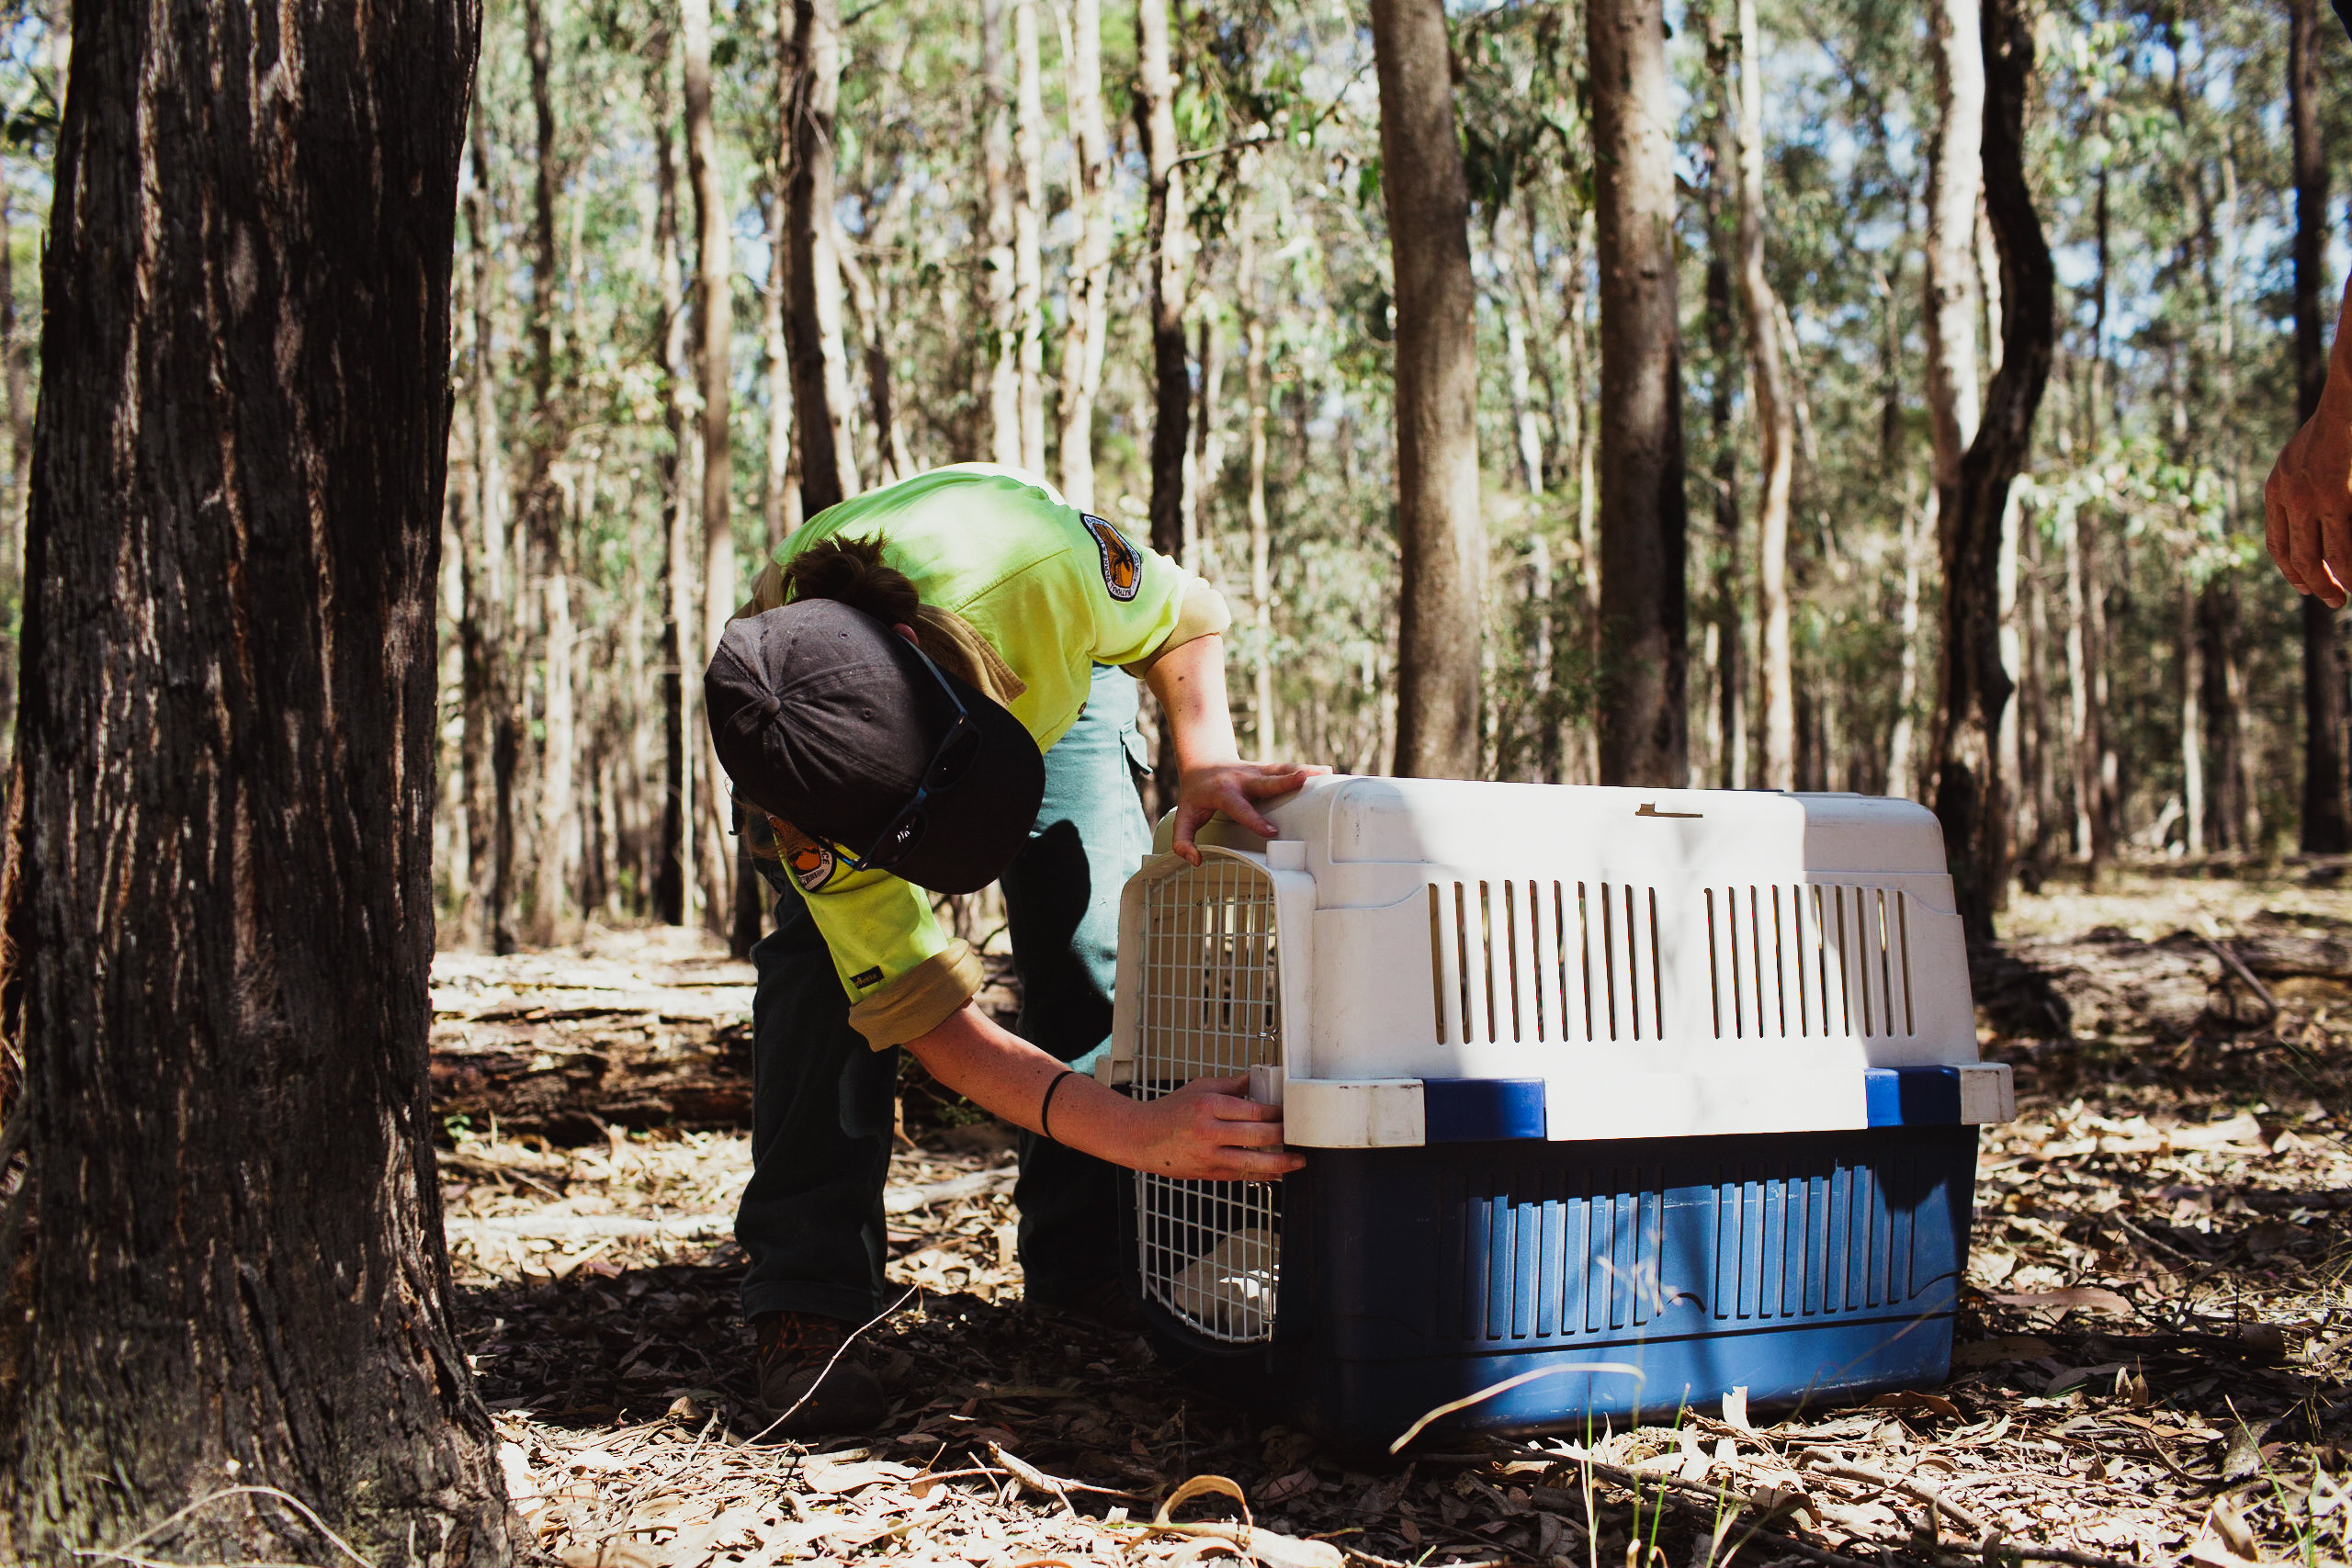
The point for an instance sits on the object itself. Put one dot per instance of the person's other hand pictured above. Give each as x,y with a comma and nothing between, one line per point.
1234,789
2307,502
1208,1131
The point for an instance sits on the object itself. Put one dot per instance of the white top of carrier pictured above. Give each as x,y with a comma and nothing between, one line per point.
1644,963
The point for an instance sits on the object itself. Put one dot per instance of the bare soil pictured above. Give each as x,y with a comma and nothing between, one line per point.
2155,1337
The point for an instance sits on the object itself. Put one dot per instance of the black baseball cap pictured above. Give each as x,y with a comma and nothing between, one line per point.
824,716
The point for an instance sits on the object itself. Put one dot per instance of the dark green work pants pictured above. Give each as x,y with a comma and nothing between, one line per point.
822,1099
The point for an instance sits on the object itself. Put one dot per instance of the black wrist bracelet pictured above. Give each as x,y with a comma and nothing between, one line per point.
1046,1109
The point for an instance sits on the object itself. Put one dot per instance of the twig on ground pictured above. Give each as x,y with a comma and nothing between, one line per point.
1820,1460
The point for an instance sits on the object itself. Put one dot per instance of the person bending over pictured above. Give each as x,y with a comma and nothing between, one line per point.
934,688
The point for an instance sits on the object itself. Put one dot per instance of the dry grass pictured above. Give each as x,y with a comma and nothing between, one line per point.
2156,1341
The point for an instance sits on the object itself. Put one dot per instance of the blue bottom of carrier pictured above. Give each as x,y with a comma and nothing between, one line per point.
1809,1268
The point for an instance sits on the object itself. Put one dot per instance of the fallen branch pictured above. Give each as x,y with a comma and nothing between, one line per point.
1822,1461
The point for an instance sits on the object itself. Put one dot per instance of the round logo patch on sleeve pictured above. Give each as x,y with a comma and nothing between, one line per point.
812,866
1121,567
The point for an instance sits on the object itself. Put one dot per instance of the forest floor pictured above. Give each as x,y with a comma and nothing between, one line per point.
2155,1360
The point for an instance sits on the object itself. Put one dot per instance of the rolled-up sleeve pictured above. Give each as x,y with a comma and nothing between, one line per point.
904,974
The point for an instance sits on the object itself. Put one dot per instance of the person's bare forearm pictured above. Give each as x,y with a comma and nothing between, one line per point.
1206,1131
1002,1073
1189,681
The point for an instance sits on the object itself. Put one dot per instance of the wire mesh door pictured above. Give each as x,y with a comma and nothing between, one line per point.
1210,1251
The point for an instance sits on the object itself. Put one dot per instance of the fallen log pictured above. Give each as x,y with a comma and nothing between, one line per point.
2183,986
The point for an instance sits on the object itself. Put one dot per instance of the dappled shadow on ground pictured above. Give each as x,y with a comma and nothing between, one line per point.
2154,1343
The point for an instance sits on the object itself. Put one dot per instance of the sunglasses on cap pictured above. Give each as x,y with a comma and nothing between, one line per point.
949,765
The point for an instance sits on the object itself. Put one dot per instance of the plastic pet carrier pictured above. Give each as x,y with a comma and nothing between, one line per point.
1611,1100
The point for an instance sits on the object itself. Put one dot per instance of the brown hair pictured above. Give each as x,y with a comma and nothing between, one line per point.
853,573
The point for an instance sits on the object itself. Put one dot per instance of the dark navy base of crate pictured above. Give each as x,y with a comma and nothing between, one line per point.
1805,1267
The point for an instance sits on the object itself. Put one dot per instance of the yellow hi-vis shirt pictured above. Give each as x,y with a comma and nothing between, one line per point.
1052,592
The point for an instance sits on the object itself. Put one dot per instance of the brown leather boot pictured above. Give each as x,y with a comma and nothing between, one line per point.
811,1386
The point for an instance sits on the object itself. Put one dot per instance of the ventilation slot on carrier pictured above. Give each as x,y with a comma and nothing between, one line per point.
1210,1251
1528,961
1798,960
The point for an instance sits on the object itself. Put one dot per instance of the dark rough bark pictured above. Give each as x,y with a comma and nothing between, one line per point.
2327,804
229,731
1165,228
1970,794
675,854
1722,334
1643,515
1440,538
819,400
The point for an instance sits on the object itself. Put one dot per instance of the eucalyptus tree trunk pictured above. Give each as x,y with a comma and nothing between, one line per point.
1261,589
996,158
1971,798
1723,332
1089,276
675,882
1502,253
2327,808
1955,176
1164,244
492,722
1441,537
779,496
545,519
1028,221
225,911
873,307
1775,421
1643,518
821,394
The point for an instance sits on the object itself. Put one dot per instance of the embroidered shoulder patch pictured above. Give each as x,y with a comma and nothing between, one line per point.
811,864
866,978
1121,567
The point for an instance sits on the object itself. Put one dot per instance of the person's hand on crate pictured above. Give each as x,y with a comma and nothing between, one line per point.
1210,1131
1234,789
1211,775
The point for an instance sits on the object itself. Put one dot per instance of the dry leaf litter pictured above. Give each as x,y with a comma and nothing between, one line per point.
2154,1362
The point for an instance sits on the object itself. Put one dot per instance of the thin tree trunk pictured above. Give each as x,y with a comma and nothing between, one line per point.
1643,516
1900,782
1090,275
1723,331
1441,537
674,883
1166,244
890,460
779,497
545,515
1951,269
996,157
1210,446
2327,806
12,507
2189,653
225,911
1775,422
1502,253
1167,247
821,394
714,337
1970,801
491,701
1028,223
1262,591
